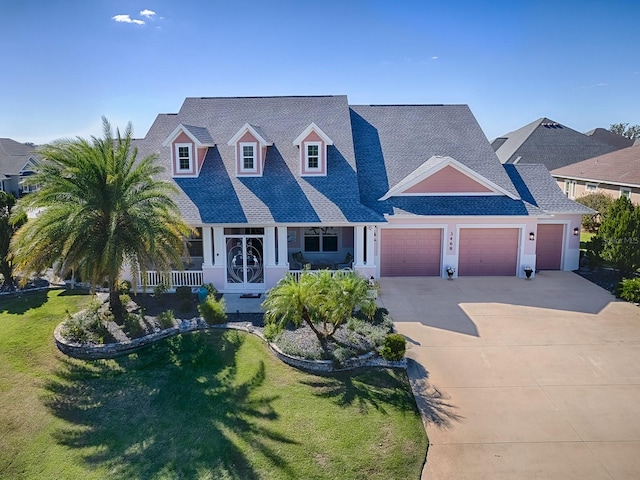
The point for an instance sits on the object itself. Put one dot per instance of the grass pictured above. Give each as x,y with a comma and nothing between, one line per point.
210,405
584,238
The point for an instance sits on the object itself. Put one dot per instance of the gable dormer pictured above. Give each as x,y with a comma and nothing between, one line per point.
313,143
445,176
189,146
250,145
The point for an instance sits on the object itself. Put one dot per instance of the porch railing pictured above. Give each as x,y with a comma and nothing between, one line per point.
173,279
334,273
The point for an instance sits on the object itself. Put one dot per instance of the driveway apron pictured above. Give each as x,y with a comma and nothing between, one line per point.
522,379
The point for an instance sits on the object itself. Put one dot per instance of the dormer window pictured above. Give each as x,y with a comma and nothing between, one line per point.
183,157
250,144
189,145
313,144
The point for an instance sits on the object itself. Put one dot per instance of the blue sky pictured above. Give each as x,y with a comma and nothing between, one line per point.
66,63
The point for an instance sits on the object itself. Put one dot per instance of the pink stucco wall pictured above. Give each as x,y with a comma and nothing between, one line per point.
448,180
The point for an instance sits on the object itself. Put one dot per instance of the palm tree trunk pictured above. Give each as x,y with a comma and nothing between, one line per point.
115,304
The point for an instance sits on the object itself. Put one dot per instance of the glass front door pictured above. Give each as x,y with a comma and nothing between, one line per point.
245,263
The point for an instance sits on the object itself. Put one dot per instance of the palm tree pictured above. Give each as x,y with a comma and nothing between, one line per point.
100,206
322,301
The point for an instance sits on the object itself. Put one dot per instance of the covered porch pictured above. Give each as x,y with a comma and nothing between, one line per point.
253,259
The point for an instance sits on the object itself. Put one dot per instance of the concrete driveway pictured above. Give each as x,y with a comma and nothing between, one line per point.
521,379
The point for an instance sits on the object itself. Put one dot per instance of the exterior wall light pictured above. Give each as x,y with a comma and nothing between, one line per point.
532,236
576,231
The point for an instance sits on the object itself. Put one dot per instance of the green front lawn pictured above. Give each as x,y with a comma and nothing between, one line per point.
584,238
211,405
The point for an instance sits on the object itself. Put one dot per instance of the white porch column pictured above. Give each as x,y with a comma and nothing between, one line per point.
283,247
207,246
369,239
359,246
219,247
270,246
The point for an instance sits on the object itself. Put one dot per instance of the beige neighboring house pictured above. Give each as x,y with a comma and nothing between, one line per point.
17,162
616,174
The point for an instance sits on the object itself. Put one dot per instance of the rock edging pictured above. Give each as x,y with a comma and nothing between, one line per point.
86,351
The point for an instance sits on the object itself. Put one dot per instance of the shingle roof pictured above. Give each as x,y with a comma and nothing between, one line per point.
547,142
281,194
609,137
392,141
537,187
619,167
200,133
13,156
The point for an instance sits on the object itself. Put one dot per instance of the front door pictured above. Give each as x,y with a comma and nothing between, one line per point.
245,261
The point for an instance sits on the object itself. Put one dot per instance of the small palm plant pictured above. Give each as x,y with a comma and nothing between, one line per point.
320,300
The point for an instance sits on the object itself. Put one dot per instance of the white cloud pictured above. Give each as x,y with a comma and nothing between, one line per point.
434,58
127,19
147,13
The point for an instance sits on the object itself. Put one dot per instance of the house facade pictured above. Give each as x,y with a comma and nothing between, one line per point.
616,174
274,184
17,162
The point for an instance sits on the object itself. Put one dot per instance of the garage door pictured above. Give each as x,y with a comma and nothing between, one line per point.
410,252
488,251
549,247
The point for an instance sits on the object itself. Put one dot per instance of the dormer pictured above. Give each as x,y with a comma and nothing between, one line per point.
250,145
313,143
445,176
189,146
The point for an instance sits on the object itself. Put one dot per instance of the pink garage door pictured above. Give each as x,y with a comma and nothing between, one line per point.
488,251
410,252
549,247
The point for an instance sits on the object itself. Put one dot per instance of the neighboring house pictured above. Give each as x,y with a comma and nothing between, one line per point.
274,183
607,136
548,143
617,174
17,161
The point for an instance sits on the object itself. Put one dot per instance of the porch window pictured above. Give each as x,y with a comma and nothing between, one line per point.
317,239
195,244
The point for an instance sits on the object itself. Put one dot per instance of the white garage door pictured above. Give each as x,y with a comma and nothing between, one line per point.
410,252
488,251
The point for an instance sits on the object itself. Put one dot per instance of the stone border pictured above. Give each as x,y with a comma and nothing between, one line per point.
85,351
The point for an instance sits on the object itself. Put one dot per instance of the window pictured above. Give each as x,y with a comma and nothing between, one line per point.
591,187
318,239
183,157
248,157
625,192
313,156
570,188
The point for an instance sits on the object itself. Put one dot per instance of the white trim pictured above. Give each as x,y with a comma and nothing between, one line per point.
305,133
590,187
399,189
181,128
570,188
256,157
307,169
248,128
600,181
176,158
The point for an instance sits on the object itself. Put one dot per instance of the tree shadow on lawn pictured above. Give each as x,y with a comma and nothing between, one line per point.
180,408
366,389
20,302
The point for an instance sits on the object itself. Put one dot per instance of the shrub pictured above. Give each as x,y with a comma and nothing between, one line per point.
211,290
593,253
132,326
394,348
601,203
125,299
342,354
629,290
124,287
374,333
213,311
166,319
271,331
86,326
183,293
160,289
186,305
